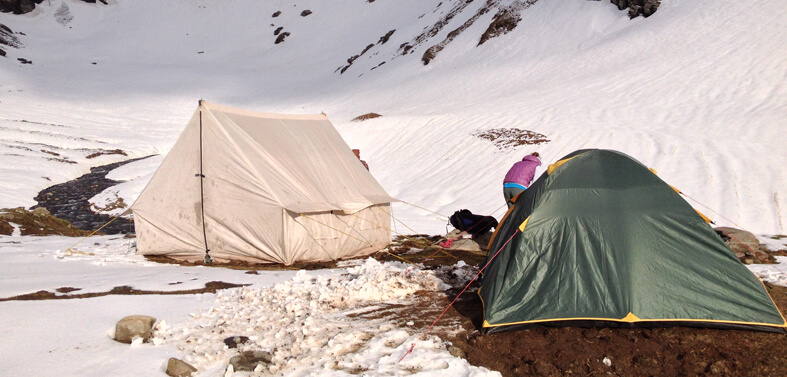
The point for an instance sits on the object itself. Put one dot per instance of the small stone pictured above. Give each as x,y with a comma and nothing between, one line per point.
456,352
249,360
234,341
41,212
135,326
179,368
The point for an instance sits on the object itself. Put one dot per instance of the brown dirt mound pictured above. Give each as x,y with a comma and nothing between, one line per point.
37,222
366,116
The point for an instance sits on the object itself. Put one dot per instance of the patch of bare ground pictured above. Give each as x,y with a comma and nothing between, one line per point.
103,152
243,265
366,116
38,222
210,287
565,351
507,138
383,39
505,20
432,52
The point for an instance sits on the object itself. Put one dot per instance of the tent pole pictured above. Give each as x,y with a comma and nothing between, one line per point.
208,259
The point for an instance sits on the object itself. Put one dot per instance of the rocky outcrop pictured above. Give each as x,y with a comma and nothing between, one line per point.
281,37
27,6
18,6
38,222
7,38
644,8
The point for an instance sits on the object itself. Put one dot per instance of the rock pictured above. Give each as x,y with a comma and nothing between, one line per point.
468,245
179,368
306,13
650,7
18,6
234,341
454,234
276,14
281,37
720,368
41,212
742,243
456,352
249,360
134,326
645,8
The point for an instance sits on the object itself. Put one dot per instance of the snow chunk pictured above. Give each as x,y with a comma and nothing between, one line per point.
317,326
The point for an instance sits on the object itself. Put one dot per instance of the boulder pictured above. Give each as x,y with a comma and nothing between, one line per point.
466,244
743,243
135,326
179,368
249,360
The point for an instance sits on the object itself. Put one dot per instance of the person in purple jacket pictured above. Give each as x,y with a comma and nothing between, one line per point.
520,176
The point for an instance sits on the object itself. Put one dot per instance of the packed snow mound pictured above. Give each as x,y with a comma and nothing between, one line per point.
313,326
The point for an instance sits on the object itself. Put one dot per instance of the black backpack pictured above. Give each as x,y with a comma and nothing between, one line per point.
466,221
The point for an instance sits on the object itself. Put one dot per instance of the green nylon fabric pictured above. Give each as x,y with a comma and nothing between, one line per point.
606,237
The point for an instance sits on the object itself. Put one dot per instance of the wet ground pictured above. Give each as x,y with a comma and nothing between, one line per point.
69,201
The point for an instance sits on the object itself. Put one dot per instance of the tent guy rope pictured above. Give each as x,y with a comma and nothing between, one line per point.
423,335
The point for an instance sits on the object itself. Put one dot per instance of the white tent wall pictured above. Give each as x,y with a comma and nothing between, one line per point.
315,236
260,172
168,214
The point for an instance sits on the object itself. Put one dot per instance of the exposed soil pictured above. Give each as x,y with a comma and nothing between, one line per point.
506,138
37,223
565,351
210,287
367,116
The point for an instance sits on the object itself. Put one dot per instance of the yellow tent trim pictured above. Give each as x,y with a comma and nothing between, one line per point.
630,318
654,171
707,220
487,324
523,225
551,169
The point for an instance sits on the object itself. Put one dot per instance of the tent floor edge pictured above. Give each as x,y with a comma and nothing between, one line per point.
635,325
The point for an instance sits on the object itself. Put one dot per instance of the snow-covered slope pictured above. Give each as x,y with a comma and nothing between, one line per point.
695,91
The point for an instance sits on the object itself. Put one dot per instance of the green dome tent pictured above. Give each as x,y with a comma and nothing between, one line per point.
600,240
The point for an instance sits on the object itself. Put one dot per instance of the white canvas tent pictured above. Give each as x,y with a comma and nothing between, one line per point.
264,188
